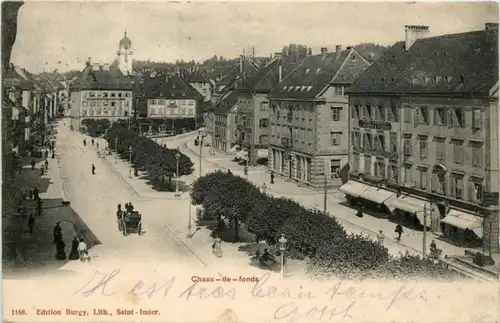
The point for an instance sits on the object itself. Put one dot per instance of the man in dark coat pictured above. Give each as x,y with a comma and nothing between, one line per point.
57,231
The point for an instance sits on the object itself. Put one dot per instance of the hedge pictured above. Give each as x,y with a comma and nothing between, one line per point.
159,162
309,233
96,127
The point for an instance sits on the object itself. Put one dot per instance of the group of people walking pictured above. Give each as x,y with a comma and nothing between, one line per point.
78,247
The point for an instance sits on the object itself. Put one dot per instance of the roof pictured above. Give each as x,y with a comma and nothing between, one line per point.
13,78
313,75
267,78
466,62
226,103
160,86
100,79
125,42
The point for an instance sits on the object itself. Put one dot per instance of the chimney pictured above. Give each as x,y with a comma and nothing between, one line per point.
338,50
324,50
491,26
106,67
241,64
348,48
413,33
253,52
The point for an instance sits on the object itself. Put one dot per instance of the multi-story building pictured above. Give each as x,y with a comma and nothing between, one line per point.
100,92
253,108
171,102
220,124
309,119
423,132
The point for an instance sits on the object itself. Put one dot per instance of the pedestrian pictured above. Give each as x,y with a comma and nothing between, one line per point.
93,169
33,163
433,247
31,223
60,253
73,255
84,143
57,232
229,172
82,250
46,164
264,188
92,141
216,246
42,170
35,193
359,214
97,145
272,177
245,170
380,237
399,231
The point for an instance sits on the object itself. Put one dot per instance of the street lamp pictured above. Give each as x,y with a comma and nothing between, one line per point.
177,157
189,235
130,161
282,245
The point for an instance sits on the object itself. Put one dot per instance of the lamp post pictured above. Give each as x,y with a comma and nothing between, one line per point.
282,245
177,157
130,161
116,150
424,237
201,150
189,234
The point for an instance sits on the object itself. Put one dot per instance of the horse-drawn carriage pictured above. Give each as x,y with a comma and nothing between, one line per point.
129,221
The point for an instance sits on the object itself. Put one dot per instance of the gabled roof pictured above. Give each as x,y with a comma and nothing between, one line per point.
456,63
226,103
268,77
313,75
13,78
101,79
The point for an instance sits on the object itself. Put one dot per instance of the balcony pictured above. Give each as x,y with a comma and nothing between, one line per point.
371,124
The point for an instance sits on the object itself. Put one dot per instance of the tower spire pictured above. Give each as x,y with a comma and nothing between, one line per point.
125,32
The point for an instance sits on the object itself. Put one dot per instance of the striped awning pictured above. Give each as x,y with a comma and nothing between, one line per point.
353,188
464,220
377,194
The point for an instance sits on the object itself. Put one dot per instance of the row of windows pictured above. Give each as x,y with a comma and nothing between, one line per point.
105,112
296,134
171,111
105,104
100,94
171,102
424,179
453,117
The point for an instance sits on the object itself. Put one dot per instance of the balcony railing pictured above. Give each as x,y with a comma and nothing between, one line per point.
371,124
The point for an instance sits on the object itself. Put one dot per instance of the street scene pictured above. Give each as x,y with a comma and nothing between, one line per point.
335,157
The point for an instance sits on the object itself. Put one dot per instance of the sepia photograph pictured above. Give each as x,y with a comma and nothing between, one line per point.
240,162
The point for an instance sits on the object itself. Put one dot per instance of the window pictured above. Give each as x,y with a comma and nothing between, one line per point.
92,94
368,164
423,179
153,111
119,94
407,174
264,123
335,111
407,147
310,136
477,156
393,114
113,94
424,116
440,116
456,116
392,171
379,168
380,142
393,142
380,113
407,112
104,94
353,58
339,90
161,102
458,152
477,119
423,148
367,140
336,138
457,187
334,168
475,193
127,94
354,111
356,139
355,162
368,112
440,149
84,104
125,104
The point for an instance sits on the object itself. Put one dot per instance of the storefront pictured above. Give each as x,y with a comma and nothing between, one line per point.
353,191
409,211
464,228
372,198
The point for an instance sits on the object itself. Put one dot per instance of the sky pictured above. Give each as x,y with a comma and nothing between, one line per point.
63,35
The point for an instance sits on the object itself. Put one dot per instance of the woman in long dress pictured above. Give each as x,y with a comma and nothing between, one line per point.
60,253
74,249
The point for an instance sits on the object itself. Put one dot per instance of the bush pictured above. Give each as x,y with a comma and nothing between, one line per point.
159,162
96,127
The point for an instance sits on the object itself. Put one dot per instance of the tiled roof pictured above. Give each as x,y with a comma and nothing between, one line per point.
466,62
312,76
13,78
268,77
96,79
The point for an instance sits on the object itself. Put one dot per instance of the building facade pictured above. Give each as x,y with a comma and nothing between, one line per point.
100,92
308,118
423,132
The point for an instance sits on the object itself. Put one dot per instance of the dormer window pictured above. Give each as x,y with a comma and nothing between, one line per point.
309,88
290,88
297,88
161,93
284,88
318,70
303,88
183,93
353,58
307,71
447,79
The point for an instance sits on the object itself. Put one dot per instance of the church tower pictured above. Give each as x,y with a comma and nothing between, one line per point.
125,55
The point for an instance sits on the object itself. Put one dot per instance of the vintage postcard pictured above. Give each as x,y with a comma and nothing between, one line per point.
332,161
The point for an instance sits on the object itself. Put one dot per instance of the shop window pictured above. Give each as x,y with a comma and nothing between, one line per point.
334,168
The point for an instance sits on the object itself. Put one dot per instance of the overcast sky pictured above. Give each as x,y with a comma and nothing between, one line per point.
69,32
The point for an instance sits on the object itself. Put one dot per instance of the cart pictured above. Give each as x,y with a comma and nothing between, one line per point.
131,223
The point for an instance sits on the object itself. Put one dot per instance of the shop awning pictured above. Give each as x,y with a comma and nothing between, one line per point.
411,205
464,221
377,194
353,188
